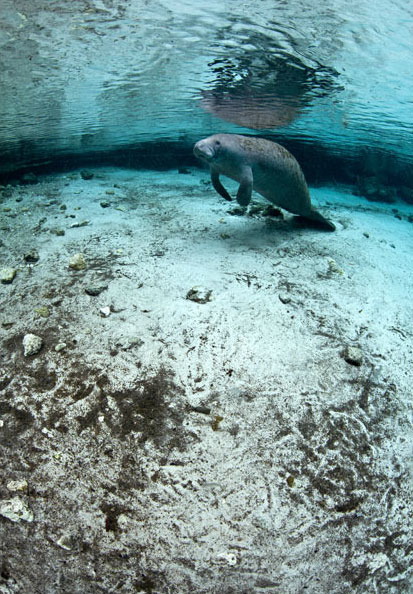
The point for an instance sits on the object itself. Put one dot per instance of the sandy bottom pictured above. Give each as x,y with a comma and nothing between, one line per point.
230,446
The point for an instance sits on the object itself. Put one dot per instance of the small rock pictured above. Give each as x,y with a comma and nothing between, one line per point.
77,262
17,485
95,290
79,224
60,347
43,311
104,203
58,232
16,510
105,311
7,275
199,294
284,298
110,192
32,256
184,171
85,174
353,355
31,344
334,268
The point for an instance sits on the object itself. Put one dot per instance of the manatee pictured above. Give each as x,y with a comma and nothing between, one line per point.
260,165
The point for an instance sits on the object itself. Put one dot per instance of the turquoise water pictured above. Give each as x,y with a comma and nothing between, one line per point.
80,78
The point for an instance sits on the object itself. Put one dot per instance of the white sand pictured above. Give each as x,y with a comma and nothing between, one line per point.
304,485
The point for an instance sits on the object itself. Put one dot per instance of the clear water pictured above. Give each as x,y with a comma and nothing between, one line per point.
222,399
80,76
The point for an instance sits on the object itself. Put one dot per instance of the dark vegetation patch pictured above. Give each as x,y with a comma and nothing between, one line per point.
152,408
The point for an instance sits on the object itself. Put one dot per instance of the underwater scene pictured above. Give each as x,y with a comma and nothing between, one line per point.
206,297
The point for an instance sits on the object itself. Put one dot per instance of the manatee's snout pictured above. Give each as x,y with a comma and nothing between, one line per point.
203,150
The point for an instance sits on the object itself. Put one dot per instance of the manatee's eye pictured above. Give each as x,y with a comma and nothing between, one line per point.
217,143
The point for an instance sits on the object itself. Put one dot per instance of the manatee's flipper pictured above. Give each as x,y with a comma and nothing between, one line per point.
321,221
218,186
245,187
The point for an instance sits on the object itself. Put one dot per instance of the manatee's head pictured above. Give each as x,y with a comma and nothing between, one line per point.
210,149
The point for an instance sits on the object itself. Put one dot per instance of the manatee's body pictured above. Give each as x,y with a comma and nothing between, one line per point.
260,165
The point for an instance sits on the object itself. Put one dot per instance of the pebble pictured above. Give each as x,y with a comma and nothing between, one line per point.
77,262
32,256
79,224
95,290
31,344
199,294
284,298
60,347
7,275
43,311
353,355
16,510
86,174
105,311
333,267
17,485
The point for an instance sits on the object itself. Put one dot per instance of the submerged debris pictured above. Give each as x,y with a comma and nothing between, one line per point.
95,290
199,294
16,510
77,262
353,355
31,344
7,275
31,257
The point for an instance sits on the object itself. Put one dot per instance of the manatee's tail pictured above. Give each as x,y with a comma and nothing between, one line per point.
314,215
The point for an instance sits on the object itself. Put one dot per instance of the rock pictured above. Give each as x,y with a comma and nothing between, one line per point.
79,224
105,311
184,171
353,355
43,311
17,485
85,174
31,344
333,268
16,510
199,294
60,347
284,298
104,203
7,275
95,290
32,256
58,232
77,262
